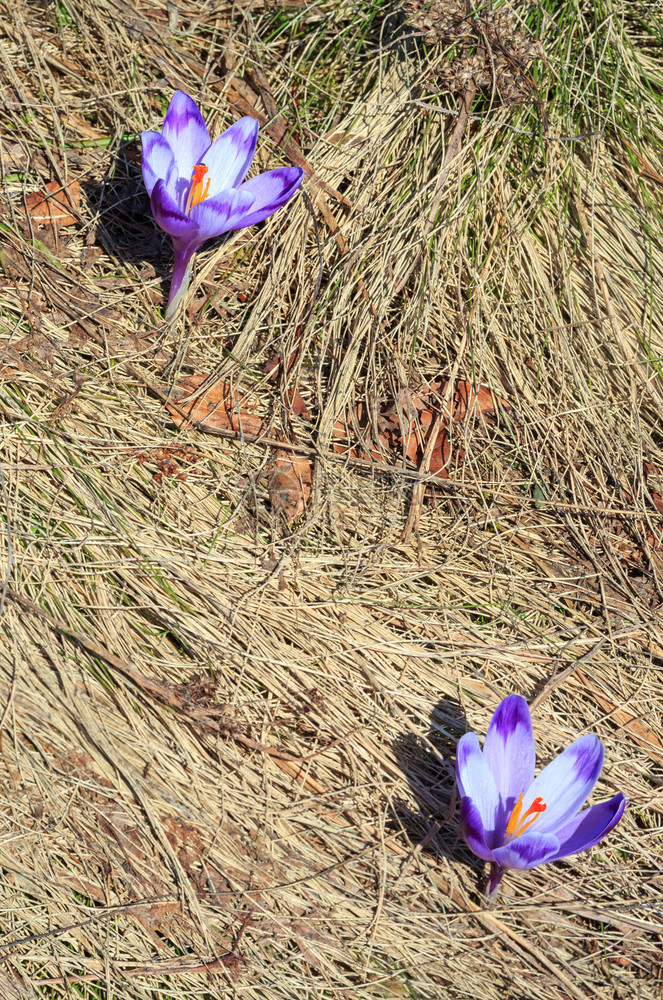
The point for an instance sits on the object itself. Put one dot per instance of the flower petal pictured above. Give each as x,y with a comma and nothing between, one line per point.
475,780
185,131
229,157
167,214
527,851
509,751
157,159
472,830
566,782
590,826
271,191
215,216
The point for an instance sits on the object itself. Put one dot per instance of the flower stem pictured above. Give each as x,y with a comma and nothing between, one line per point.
493,883
181,278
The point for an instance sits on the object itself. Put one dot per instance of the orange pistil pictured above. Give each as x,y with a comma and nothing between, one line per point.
196,192
517,825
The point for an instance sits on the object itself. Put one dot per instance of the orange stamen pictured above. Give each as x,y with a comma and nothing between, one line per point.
196,192
515,816
517,825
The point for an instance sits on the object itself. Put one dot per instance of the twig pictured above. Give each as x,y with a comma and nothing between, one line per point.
216,965
10,550
419,489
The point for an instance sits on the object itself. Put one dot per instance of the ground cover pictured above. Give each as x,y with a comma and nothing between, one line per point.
424,471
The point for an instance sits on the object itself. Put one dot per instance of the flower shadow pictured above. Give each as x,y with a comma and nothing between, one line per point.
428,762
123,227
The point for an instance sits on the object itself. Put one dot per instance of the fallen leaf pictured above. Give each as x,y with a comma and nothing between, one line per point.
14,159
169,461
55,208
158,920
37,345
657,499
275,367
16,367
89,256
219,406
296,403
404,425
404,428
467,399
290,485
223,407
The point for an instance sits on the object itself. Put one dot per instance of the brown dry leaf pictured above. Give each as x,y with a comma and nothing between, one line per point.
37,345
169,461
219,406
157,920
90,256
297,404
14,159
647,471
417,411
13,366
274,367
222,407
290,485
55,208
363,450
468,400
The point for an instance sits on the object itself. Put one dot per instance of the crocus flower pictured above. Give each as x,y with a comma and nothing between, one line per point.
195,185
511,818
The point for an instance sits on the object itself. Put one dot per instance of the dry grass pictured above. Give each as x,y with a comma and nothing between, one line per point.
207,717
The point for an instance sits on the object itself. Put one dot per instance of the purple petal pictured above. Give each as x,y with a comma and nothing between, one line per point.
167,214
157,159
230,156
509,751
527,851
590,826
472,830
215,216
475,780
185,131
566,782
271,191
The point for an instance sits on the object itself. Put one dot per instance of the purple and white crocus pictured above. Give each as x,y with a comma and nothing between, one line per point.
195,185
511,818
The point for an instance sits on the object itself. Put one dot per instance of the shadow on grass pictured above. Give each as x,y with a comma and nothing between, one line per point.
428,764
125,228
